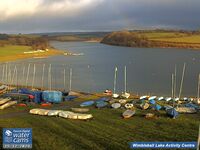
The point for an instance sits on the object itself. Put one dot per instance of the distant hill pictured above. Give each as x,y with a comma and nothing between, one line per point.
154,38
126,38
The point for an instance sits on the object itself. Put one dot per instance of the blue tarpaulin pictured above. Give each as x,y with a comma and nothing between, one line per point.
52,96
37,96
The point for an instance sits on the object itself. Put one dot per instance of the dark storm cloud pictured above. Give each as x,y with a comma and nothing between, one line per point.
91,15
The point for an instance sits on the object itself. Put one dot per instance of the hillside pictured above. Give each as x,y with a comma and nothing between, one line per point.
162,39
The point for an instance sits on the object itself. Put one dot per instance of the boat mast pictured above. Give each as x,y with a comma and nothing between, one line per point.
27,75
34,69
181,86
49,77
14,72
23,73
198,88
115,78
173,96
2,79
43,75
125,79
9,76
172,85
175,72
70,80
16,78
64,78
6,74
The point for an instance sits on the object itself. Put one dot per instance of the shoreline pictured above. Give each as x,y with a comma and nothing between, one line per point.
22,56
177,48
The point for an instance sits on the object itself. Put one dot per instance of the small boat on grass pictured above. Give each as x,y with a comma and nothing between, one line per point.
38,111
54,112
8,104
122,101
157,107
187,110
87,103
126,95
116,105
101,104
70,97
171,112
4,100
144,106
128,113
167,107
167,99
80,110
161,98
143,97
150,116
129,105
115,95
152,101
152,98
192,105
76,116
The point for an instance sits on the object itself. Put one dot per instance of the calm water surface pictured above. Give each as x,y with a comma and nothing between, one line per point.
148,69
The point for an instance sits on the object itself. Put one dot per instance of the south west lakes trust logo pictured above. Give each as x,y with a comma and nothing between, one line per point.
17,138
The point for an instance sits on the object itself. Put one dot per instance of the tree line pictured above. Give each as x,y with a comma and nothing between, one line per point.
34,42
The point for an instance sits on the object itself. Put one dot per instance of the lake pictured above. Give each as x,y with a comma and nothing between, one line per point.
149,70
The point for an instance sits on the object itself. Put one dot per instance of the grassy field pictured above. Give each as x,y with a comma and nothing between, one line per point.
105,132
14,52
172,37
185,39
157,35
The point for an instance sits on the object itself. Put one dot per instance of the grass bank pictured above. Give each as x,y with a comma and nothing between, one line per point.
15,52
106,131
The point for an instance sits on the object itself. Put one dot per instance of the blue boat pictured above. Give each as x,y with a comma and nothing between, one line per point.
172,112
87,103
192,105
101,104
70,97
103,99
167,107
157,107
152,102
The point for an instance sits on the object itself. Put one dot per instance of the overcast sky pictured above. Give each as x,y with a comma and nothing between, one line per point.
28,16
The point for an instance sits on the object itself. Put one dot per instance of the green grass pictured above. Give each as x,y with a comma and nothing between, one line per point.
186,39
9,50
157,35
106,131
